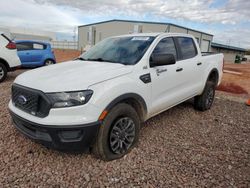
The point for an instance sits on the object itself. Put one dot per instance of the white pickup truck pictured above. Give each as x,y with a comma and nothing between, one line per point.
99,100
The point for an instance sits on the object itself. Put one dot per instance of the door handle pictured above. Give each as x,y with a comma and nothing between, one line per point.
159,71
200,63
179,69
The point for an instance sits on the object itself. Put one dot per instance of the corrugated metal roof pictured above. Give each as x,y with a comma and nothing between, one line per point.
217,45
146,22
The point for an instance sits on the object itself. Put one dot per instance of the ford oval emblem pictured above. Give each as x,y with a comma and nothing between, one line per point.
22,100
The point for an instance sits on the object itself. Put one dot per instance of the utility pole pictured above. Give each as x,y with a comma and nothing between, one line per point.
74,34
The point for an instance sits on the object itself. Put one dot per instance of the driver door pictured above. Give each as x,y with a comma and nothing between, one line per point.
166,82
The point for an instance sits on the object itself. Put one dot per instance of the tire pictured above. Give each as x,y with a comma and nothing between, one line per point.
3,72
49,62
204,101
110,135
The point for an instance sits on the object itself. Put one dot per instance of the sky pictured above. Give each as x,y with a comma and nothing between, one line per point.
227,20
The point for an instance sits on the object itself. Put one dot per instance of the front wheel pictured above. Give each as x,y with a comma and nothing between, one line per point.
118,133
3,72
204,101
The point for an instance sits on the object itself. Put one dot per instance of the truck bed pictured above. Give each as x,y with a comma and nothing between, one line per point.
208,53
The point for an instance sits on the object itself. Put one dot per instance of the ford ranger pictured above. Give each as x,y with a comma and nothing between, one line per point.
98,101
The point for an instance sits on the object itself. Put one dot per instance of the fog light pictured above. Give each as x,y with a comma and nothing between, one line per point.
71,135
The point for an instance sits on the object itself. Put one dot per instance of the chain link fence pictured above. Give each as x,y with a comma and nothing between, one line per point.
64,45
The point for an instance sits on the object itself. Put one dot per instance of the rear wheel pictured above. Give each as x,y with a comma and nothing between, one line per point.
204,101
49,62
118,133
3,72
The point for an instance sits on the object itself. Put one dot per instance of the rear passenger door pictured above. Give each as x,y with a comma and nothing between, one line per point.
23,51
38,52
188,67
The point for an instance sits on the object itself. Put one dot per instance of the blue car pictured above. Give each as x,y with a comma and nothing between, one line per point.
35,54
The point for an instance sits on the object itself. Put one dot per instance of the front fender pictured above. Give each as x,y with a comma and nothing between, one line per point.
110,92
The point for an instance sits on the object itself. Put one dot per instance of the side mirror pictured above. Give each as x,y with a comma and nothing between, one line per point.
162,59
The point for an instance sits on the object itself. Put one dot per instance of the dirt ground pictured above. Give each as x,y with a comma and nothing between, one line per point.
65,55
178,148
237,84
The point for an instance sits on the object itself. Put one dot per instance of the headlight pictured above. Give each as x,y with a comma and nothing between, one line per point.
67,99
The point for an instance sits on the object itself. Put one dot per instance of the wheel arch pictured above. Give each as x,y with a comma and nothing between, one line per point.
49,59
213,76
133,99
5,63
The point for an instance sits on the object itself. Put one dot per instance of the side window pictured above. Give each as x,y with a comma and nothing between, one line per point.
24,46
187,47
166,46
37,46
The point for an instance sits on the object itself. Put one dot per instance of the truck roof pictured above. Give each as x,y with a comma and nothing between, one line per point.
156,34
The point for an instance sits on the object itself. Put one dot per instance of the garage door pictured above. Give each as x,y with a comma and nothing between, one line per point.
205,45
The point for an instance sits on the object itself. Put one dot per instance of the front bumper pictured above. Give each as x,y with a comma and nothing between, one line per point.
65,138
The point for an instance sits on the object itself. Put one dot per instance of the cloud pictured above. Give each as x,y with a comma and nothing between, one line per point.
234,37
193,10
231,16
30,14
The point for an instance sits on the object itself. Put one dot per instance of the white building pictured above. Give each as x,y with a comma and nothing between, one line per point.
230,52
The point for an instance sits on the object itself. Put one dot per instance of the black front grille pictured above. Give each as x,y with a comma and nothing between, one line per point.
30,100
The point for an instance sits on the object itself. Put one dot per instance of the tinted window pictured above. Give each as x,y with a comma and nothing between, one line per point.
165,46
187,47
24,46
30,46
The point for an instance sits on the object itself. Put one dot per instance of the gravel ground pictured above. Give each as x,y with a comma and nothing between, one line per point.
180,147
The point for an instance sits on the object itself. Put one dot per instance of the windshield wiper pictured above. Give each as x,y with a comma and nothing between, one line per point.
98,59
101,60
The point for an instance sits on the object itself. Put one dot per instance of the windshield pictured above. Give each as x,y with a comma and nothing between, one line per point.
124,50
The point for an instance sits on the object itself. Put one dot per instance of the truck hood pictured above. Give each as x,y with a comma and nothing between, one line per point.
71,75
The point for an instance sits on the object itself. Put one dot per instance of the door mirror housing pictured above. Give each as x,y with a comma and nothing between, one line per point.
162,59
